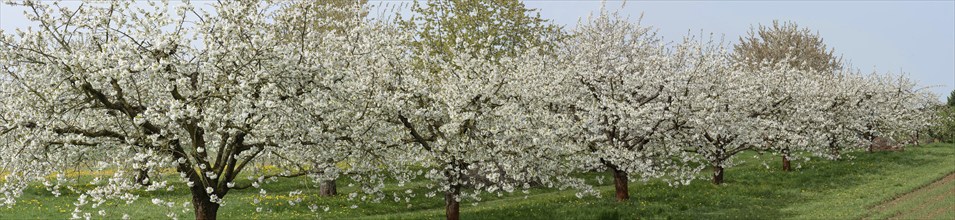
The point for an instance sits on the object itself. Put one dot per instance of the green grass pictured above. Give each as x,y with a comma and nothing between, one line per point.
820,189
935,201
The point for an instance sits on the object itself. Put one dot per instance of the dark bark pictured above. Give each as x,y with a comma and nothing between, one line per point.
718,174
620,182
328,188
205,209
452,208
786,165
917,139
833,150
142,177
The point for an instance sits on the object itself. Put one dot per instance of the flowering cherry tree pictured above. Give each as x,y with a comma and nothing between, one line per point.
729,110
783,110
475,124
786,110
620,84
892,108
833,107
848,110
113,86
332,47
719,107
470,100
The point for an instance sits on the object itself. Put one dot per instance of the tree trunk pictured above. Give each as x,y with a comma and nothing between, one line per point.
786,166
142,177
918,138
452,208
833,149
717,174
205,209
328,188
620,182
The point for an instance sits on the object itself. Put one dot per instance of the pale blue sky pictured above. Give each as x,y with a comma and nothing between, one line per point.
916,37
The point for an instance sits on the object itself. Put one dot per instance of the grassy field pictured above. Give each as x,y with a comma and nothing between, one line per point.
935,201
871,186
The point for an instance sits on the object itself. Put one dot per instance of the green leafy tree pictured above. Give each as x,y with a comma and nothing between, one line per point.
945,131
951,99
501,27
336,16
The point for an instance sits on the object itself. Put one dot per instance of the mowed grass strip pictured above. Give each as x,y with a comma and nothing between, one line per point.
756,189
876,178
930,202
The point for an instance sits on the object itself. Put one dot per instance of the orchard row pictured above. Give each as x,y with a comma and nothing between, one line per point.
481,103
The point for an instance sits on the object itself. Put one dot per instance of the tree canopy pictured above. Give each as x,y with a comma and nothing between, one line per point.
785,42
492,28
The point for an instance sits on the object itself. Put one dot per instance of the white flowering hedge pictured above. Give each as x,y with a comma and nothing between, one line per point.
208,94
